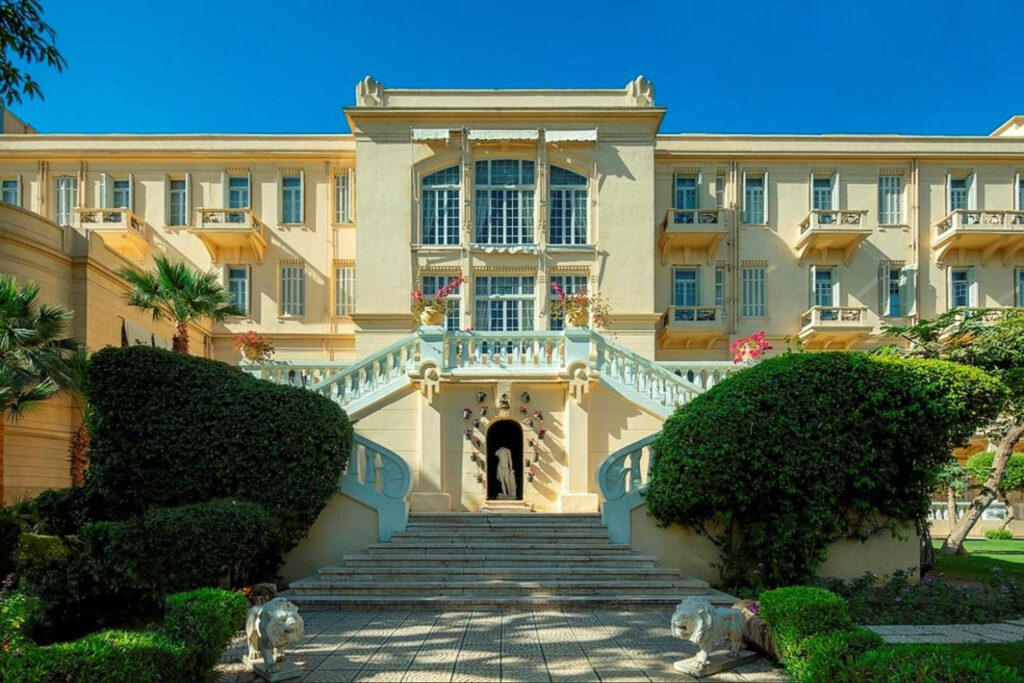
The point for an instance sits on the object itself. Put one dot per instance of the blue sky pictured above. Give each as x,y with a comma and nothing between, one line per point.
760,67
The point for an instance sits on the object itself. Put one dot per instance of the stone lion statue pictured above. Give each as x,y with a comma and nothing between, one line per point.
705,626
269,628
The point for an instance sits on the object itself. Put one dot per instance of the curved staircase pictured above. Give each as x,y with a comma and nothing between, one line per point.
492,561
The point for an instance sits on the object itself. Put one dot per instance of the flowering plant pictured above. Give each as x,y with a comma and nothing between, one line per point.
580,306
438,302
749,348
254,345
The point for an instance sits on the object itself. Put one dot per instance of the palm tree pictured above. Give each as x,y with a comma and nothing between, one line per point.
179,292
33,354
78,446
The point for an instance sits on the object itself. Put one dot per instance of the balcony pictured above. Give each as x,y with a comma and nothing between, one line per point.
989,233
122,231
684,327
692,230
232,235
824,230
830,327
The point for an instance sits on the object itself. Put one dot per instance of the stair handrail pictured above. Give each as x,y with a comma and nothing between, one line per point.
381,479
374,371
665,390
621,479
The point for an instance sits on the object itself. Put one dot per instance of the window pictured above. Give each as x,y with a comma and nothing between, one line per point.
719,191
959,287
893,285
504,201
1020,287
821,193
753,200
752,282
440,207
177,197
824,291
570,284
685,197
291,198
504,303
238,197
890,200
342,198
66,199
344,290
293,290
685,287
10,191
959,194
567,200
720,286
1020,193
238,286
122,194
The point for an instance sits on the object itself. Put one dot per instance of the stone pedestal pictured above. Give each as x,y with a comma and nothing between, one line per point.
718,661
286,671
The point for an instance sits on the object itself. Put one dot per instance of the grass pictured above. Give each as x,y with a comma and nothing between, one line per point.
982,556
1008,654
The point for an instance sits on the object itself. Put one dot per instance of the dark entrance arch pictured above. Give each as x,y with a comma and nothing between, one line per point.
504,434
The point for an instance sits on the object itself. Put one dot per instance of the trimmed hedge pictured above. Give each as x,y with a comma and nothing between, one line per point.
10,534
169,429
806,449
198,624
818,641
999,534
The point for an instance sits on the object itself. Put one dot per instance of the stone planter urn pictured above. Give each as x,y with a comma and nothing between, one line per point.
579,318
432,316
250,353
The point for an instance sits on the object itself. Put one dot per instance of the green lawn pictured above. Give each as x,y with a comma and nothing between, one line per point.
981,557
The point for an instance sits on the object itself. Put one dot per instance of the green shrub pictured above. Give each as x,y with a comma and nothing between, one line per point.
165,550
40,547
62,512
20,615
919,663
803,450
205,620
795,613
824,656
999,534
168,429
10,533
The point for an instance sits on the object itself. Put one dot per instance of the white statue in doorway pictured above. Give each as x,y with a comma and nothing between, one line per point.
506,475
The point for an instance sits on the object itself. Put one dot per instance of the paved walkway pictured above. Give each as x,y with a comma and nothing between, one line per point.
1001,632
490,646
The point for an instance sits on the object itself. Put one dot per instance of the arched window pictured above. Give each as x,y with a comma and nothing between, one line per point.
567,202
504,201
440,207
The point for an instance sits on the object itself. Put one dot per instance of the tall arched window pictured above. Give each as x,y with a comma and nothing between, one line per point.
504,201
440,207
567,202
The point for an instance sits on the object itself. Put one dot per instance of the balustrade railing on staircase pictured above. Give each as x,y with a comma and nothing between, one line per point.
380,479
294,373
488,351
621,478
639,379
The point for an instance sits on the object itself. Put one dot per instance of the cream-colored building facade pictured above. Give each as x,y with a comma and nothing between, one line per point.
693,240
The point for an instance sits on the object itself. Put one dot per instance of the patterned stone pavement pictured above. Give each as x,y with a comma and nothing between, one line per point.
490,646
1001,632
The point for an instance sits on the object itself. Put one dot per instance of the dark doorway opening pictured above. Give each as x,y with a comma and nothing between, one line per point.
504,434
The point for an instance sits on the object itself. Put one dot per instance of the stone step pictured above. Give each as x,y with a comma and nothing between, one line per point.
314,602
490,547
471,559
477,518
493,587
457,534
545,572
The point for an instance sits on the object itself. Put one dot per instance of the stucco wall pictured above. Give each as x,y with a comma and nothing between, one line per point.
345,527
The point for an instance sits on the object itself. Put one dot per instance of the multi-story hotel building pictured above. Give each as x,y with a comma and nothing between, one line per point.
692,239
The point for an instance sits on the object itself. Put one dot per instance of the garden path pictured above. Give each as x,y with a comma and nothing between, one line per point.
554,645
999,632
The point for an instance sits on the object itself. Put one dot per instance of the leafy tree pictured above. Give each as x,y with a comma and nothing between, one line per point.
24,35
980,465
994,341
33,352
952,480
179,292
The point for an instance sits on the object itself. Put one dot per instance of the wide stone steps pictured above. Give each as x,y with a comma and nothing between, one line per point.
495,560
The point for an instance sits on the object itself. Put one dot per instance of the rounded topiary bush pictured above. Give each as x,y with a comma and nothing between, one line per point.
168,429
786,457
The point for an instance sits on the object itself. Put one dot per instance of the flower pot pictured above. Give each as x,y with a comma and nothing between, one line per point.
578,318
250,353
431,316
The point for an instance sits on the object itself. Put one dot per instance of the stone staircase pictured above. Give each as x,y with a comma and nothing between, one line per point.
498,561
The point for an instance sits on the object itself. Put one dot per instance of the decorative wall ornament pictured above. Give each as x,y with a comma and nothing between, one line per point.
370,93
469,434
466,412
481,396
541,433
503,403
537,415
269,628
483,410
640,92
525,396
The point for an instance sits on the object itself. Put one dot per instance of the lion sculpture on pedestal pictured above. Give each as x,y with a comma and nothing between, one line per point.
270,628
702,624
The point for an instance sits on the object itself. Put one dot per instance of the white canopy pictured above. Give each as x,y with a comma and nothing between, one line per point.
586,135
136,334
498,134
431,134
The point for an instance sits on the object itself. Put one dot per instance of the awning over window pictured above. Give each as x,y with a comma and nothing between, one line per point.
497,134
134,334
161,343
586,135
431,134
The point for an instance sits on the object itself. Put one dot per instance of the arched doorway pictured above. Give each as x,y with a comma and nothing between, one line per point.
504,434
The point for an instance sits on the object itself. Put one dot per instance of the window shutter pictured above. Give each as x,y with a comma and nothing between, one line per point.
908,290
131,193
699,189
810,288
972,279
225,190
106,191
167,200
972,191
836,301
675,190
949,193
280,197
248,182
21,185
836,204
810,193
764,197
883,289
302,196
743,198
188,199
1016,191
